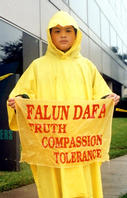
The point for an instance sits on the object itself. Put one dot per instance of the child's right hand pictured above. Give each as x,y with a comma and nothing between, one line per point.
11,102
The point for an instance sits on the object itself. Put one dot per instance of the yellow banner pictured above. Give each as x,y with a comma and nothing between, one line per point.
64,134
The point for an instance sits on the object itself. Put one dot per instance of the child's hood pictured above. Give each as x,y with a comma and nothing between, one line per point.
64,19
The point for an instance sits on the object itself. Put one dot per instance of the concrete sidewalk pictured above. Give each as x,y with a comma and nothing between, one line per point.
114,175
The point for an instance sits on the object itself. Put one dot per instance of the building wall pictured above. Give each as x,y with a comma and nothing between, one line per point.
24,14
32,17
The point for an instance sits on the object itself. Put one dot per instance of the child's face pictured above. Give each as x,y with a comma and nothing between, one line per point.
63,37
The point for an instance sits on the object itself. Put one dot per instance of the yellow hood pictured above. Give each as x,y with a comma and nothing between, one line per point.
64,19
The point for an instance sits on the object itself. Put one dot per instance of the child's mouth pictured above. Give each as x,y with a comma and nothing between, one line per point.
63,41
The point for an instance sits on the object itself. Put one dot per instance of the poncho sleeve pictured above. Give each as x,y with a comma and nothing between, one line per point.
25,85
99,86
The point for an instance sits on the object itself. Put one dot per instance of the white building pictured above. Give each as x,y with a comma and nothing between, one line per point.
103,23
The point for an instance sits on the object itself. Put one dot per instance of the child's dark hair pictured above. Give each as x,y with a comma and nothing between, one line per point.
75,30
72,26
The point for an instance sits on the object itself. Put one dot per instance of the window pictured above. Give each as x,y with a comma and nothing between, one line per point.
80,8
94,17
118,8
124,16
10,49
30,49
44,48
124,49
125,54
120,46
104,29
113,38
66,1
17,50
10,62
113,3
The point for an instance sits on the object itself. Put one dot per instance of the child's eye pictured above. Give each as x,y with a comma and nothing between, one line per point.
68,31
57,31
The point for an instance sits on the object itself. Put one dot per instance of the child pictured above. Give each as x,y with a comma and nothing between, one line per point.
63,74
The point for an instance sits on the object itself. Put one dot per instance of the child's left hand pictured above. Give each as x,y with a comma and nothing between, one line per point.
115,97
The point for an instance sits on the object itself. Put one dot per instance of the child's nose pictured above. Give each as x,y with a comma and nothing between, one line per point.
63,34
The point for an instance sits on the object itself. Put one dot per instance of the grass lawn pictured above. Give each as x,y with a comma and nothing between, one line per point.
10,180
119,138
123,196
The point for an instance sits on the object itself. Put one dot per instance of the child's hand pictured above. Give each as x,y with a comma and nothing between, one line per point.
115,97
11,102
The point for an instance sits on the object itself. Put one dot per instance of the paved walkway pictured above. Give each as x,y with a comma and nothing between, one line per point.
114,175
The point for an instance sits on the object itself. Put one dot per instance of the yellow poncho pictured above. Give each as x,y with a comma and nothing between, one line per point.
63,76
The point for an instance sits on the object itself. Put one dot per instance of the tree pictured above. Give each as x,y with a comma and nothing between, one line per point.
12,53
